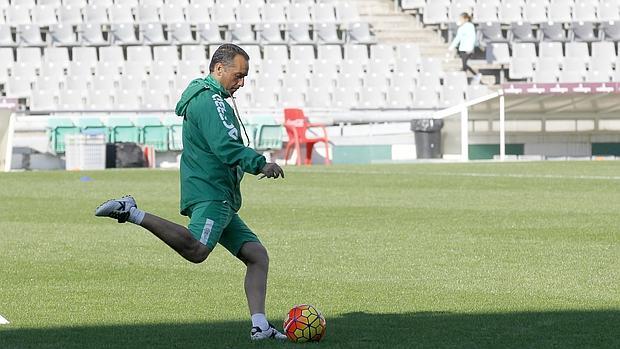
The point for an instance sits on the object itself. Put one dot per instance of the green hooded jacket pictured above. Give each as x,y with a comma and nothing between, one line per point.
214,156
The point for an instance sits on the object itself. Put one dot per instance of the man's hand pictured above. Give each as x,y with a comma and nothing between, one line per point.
271,170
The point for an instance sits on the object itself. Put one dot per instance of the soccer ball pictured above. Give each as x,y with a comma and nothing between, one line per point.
304,323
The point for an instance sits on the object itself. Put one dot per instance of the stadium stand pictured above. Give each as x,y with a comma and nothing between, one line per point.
128,61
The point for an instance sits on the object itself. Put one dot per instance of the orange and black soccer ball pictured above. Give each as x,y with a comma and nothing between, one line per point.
304,323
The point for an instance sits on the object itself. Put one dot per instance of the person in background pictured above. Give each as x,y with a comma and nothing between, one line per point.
465,42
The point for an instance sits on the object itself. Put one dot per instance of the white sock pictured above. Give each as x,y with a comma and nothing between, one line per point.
259,320
135,215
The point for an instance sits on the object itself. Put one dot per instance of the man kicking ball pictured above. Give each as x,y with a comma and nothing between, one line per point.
212,166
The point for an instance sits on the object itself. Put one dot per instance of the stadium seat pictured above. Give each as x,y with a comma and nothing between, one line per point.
452,95
92,125
535,12
264,97
372,98
90,34
484,12
104,83
194,53
71,100
603,56
93,14
318,98
299,67
324,12
298,81
249,13
86,55
347,12
171,13
127,99
18,86
429,80
120,14
326,67
490,32
510,13
147,14
522,32
167,54
577,50
153,34
30,56
476,91
327,33
383,52
210,33
44,15
124,34
181,34
17,15
242,33
303,53
297,127
585,11
223,14
29,35
175,132
457,79
299,33
403,81
153,133
274,13
435,12
62,35
154,99
356,52
351,67
6,37
359,33
611,30
609,11
521,68
49,83
432,65
399,97
552,31
75,80
332,53
58,55
559,11
42,100
58,128
497,53
292,97
344,98
268,134
425,98
550,50
198,13
123,130
584,32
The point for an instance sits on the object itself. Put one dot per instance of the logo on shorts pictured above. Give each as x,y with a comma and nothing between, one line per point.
221,110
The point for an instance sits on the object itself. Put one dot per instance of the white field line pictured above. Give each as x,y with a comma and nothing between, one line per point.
462,174
3,321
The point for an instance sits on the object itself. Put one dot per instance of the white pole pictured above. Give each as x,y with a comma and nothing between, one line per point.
502,128
464,134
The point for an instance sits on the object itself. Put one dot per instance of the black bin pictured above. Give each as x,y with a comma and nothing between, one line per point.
427,137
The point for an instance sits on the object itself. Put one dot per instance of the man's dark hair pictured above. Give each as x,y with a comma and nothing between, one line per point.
225,54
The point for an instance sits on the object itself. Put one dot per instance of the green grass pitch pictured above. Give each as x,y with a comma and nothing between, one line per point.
515,255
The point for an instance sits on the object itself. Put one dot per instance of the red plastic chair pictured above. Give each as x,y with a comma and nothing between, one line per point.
296,126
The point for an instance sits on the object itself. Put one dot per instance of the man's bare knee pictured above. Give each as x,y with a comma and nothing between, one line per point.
254,253
197,253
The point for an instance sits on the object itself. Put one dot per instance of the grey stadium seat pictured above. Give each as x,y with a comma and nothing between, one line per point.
452,95
124,34
274,13
298,13
43,15
153,34
522,32
399,97
604,53
71,15
577,50
120,14
584,31
491,32
327,33
585,11
429,80
181,33
95,14
425,98
324,13
524,50
90,34
198,13
62,35
242,33
222,14
147,14
359,32
210,33
299,33
553,31
86,55
347,12
249,13
171,13
270,33
330,52
29,35
168,54
611,31
17,15
547,70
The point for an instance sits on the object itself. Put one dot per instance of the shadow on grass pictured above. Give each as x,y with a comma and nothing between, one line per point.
562,329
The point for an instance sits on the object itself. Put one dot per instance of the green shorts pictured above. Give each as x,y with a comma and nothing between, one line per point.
213,222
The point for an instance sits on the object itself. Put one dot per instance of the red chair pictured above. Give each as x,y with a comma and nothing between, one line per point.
296,126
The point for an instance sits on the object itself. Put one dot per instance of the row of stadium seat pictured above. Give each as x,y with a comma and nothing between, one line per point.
508,11
162,134
554,32
134,3
196,13
264,98
183,33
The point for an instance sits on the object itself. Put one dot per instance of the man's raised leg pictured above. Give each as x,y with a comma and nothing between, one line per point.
174,235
